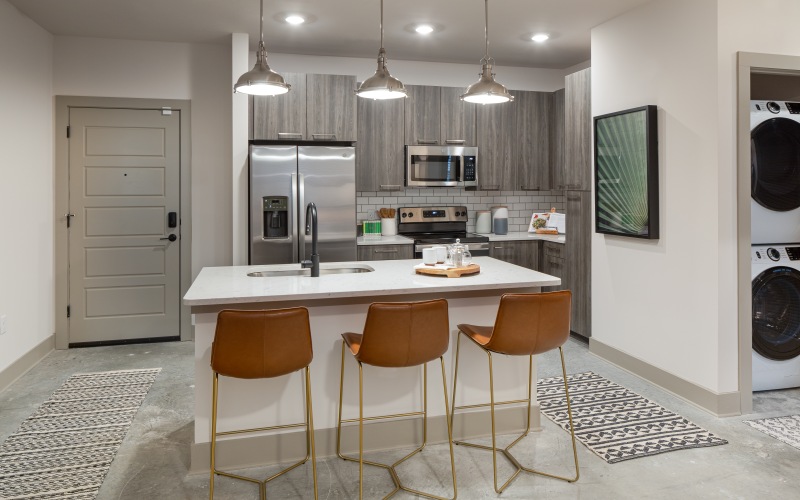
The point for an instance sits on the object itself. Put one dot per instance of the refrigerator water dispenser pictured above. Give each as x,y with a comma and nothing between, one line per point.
276,217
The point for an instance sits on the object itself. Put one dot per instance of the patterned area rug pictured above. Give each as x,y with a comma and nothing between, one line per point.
65,449
784,429
616,423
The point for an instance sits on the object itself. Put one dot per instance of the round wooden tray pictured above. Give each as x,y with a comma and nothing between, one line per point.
453,272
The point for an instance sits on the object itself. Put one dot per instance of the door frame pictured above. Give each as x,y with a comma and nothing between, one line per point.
61,203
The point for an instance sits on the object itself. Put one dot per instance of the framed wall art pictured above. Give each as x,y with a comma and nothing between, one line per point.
626,173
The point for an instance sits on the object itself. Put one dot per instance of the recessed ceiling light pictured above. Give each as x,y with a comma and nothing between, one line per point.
295,19
540,37
424,29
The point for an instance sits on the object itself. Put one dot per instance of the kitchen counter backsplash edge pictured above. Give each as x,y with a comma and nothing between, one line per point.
515,236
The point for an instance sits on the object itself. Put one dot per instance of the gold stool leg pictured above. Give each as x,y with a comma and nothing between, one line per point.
310,430
213,434
449,429
569,413
360,431
455,381
339,424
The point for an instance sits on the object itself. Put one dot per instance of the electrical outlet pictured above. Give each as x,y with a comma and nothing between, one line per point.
3,324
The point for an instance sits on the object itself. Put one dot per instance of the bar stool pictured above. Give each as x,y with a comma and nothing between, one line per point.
398,335
526,324
262,344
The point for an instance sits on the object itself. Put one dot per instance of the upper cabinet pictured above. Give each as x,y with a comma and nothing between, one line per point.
578,131
532,140
379,147
496,137
557,140
437,115
318,107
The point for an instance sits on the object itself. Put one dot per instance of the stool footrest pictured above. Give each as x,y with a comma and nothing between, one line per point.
261,429
381,417
483,405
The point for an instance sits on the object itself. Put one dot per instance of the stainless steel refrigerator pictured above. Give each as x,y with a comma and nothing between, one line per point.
283,180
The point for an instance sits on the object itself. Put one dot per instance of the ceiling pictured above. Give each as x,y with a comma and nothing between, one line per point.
349,27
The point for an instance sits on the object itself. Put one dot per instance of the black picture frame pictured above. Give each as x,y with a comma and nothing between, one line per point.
626,173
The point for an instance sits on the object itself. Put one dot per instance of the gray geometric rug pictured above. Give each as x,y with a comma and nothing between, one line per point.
65,449
616,423
784,429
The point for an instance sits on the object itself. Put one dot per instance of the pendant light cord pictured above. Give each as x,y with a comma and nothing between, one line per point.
381,24
262,22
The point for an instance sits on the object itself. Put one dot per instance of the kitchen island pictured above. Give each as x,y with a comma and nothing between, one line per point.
338,303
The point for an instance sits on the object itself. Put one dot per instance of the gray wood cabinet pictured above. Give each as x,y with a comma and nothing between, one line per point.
318,107
457,118
556,130
579,257
496,137
553,263
532,145
330,107
282,116
379,146
385,252
422,115
521,253
578,131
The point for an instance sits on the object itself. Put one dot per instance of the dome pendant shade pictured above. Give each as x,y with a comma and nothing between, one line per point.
381,85
486,90
261,80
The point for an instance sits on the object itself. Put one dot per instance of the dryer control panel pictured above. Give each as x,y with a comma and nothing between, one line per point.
774,253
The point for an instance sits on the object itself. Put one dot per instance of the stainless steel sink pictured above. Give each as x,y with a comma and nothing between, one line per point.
307,272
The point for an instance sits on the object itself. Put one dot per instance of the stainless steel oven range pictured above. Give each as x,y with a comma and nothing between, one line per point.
432,226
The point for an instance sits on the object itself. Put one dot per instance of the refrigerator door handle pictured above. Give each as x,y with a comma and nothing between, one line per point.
293,213
301,216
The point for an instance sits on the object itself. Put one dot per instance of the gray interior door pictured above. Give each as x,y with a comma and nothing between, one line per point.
124,180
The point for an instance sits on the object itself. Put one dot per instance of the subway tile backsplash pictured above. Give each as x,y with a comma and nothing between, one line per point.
521,204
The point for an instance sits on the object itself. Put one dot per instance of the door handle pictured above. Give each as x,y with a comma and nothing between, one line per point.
171,237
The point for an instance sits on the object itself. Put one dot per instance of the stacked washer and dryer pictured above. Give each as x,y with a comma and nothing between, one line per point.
775,252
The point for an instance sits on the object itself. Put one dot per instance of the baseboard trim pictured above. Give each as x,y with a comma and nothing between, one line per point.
720,405
243,452
20,367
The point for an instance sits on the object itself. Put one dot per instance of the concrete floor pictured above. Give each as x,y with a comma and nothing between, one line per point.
154,458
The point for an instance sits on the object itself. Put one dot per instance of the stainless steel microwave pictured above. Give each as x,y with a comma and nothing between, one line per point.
442,166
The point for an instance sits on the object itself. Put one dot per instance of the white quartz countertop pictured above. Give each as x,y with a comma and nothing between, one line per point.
385,240
520,236
231,285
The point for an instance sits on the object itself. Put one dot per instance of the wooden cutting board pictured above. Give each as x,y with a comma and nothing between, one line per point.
453,272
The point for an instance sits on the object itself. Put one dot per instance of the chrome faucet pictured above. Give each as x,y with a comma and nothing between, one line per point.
312,228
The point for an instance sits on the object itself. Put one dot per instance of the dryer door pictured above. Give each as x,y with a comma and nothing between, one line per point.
776,313
775,164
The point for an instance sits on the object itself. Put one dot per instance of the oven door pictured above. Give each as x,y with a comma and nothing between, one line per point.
433,166
480,249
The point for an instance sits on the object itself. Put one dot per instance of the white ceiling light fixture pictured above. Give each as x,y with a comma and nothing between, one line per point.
486,90
295,19
540,37
424,29
261,80
381,85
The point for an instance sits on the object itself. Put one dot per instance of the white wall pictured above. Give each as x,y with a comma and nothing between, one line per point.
200,72
660,301
27,293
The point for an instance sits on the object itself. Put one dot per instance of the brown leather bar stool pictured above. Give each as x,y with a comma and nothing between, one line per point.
262,344
397,335
526,324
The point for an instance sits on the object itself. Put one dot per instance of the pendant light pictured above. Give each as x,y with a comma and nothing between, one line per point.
261,80
486,90
381,85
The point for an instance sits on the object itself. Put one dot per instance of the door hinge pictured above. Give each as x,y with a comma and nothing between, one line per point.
68,312
67,131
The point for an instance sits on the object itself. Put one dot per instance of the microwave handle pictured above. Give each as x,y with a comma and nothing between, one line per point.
455,141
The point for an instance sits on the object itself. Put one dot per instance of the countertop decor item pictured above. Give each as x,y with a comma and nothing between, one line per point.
450,272
500,221
486,90
261,80
381,85
616,423
626,173
483,222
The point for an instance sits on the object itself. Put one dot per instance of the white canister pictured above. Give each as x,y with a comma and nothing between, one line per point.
389,226
483,222
500,221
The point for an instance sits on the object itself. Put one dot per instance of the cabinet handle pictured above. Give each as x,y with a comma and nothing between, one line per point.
323,137
385,251
498,248
573,198
290,135
492,187
390,187
530,188
427,141
455,141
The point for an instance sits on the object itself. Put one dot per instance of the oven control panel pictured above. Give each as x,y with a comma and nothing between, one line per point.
433,214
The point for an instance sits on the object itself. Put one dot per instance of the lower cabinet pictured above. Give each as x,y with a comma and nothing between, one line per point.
521,253
552,263
385,252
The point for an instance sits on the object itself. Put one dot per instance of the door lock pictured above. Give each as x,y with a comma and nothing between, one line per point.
171,237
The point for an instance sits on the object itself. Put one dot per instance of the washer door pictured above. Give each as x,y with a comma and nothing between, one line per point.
776,313
775,164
